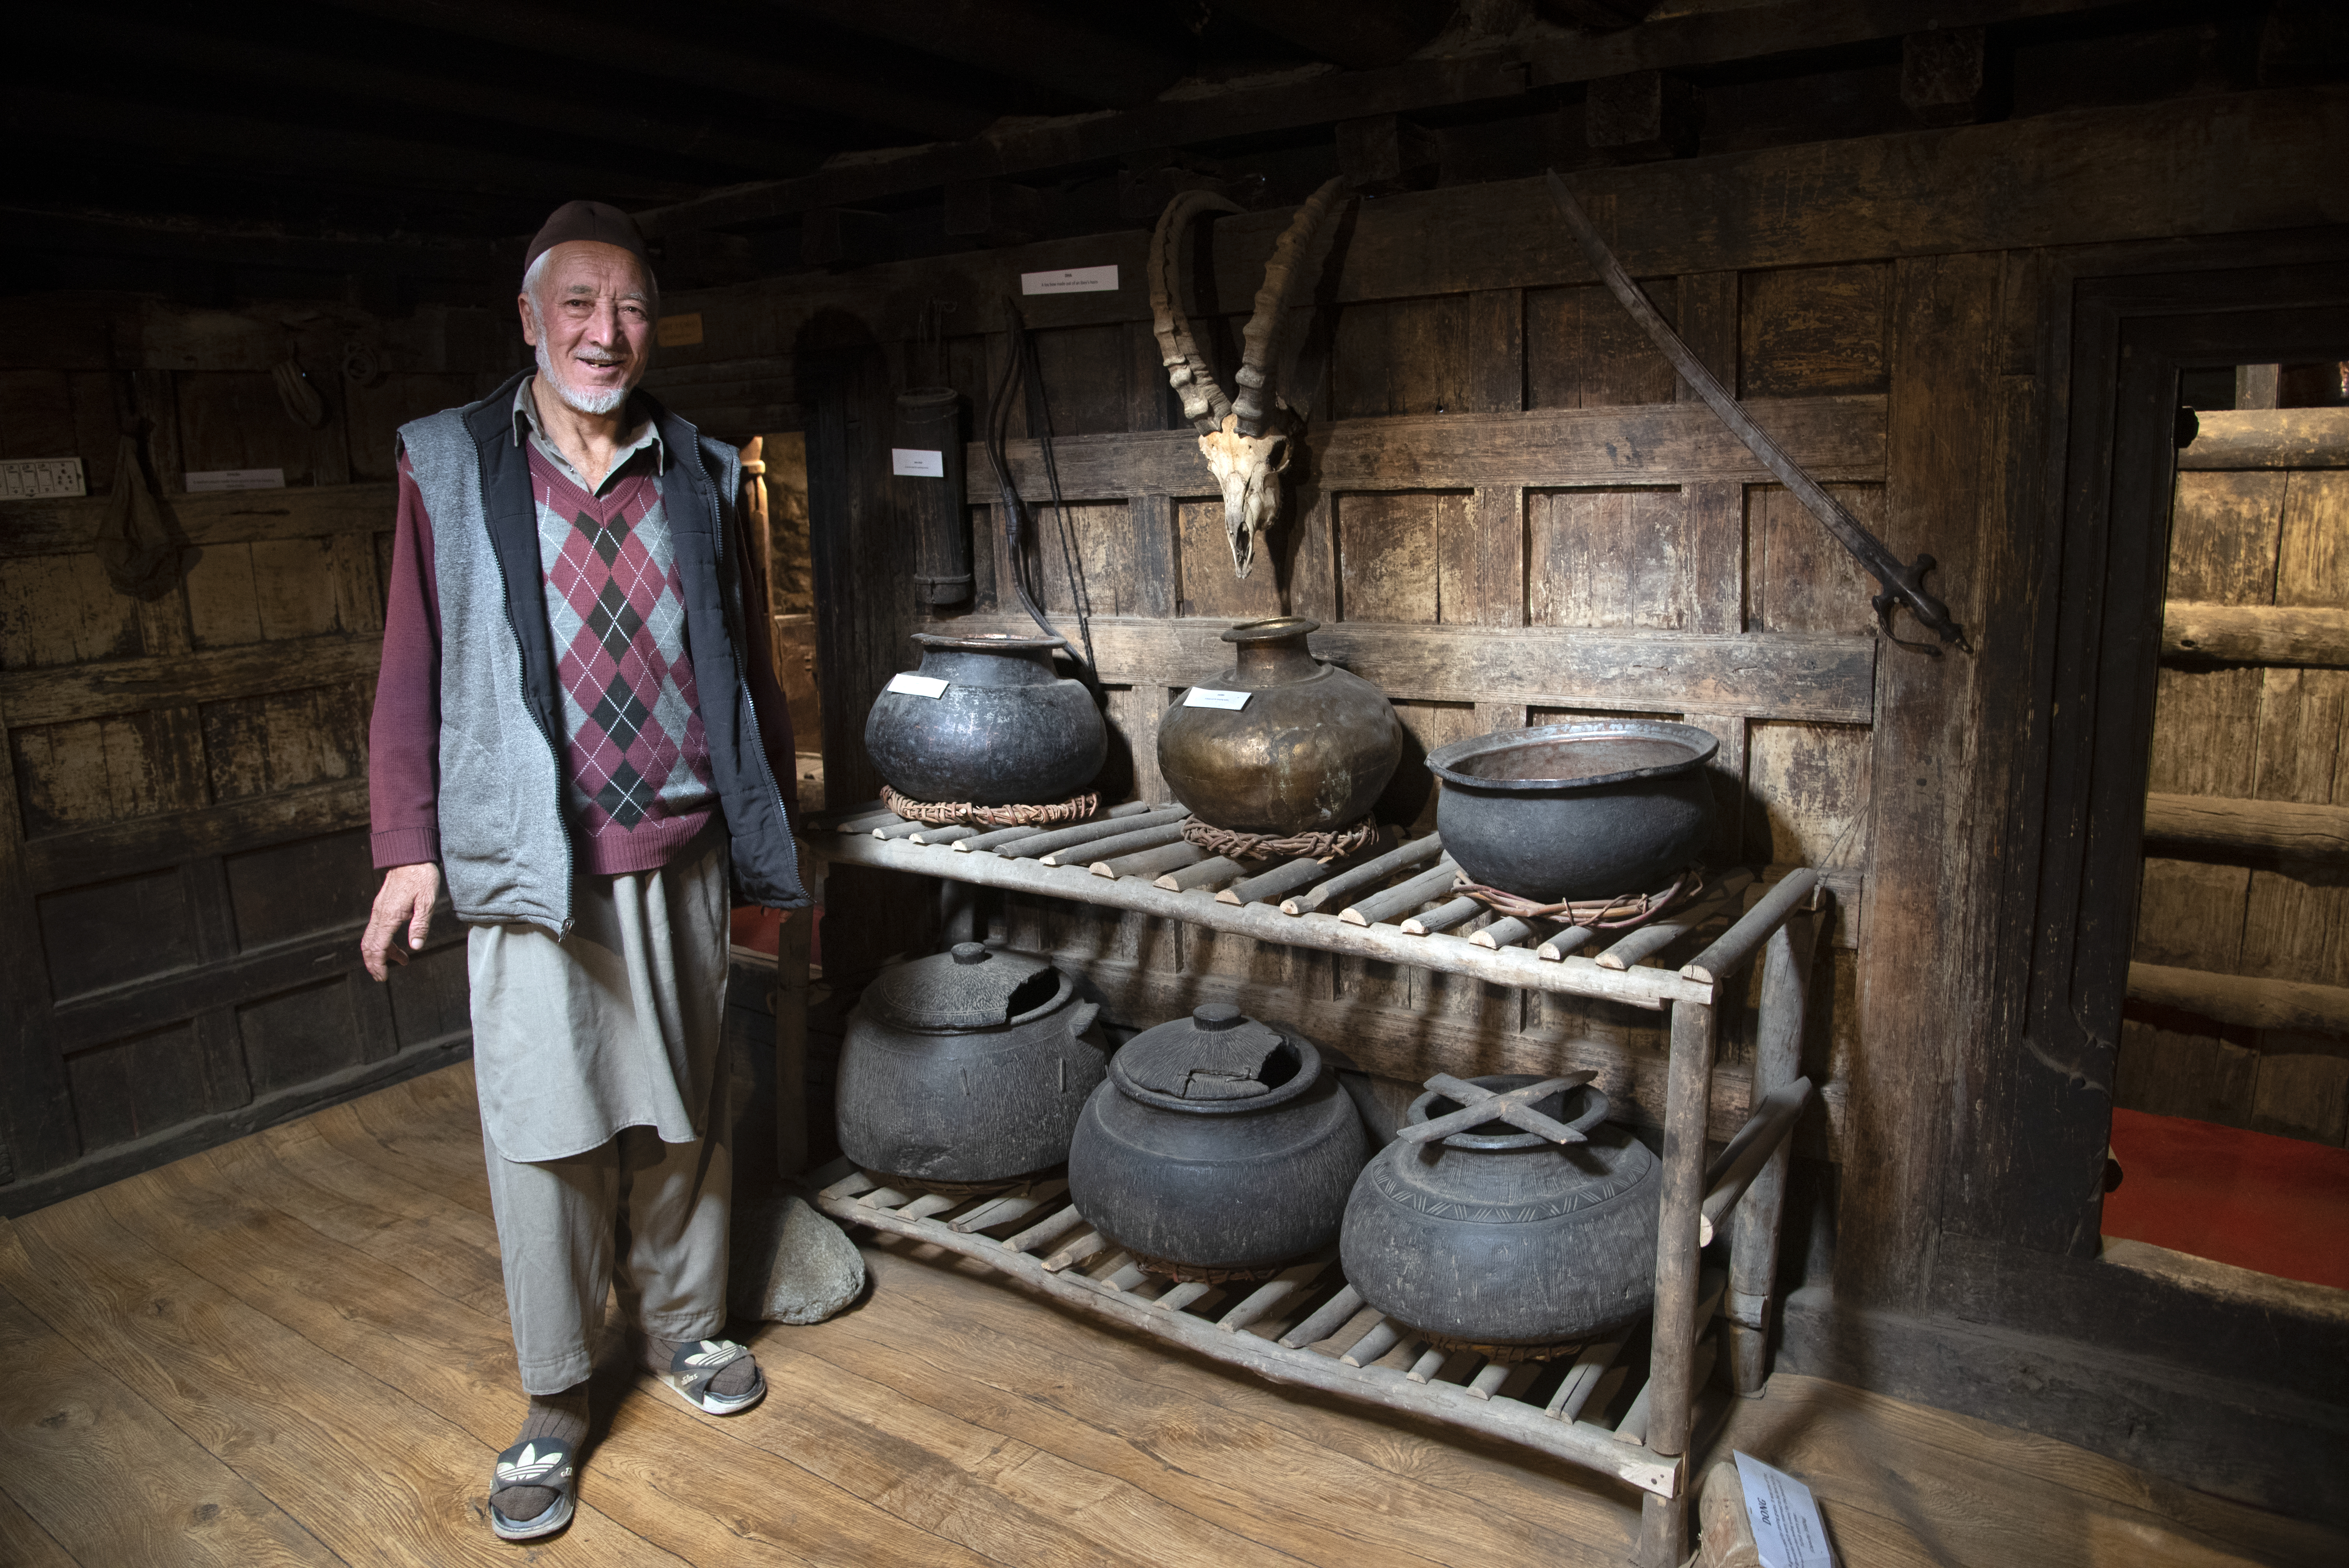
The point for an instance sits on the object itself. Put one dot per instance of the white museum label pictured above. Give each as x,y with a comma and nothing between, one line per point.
914,463
236,480
31,479
1208,697
911,684
1785,1518
1071,280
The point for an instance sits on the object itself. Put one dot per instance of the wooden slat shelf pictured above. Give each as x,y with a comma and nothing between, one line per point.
1308,1328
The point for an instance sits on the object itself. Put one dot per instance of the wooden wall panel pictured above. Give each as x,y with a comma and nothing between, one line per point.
1407,557
299,1034
1798,579
300,888
1583,351
1453,354
139,1085
1410,798
261,745
1619,557
1106,559
1807,785
1088,377
1815,331
60,610
234,419
116,933
105,770
377,409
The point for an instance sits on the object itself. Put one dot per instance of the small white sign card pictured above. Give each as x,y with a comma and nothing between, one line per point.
911,684
31,479
236,480
1786,1519
1071,280
914,463
1208,697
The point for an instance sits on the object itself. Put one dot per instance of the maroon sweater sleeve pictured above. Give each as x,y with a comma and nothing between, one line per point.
404,733
766,691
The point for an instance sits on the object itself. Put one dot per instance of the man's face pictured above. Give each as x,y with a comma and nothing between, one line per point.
592,323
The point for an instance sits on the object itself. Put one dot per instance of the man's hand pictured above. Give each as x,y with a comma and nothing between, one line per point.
405,899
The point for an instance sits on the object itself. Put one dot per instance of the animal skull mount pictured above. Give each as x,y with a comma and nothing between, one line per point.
1248,440
1249,469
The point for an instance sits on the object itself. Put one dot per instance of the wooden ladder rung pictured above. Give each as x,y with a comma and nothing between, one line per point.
1326,1320
1076,1252
1050,1227
1009,1207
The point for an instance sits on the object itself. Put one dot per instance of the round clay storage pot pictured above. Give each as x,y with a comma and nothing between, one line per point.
1218,1148
1006,731
1590,810
966,1069
1308,752
1500,1239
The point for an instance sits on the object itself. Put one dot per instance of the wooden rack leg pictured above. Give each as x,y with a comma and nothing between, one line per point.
789,1000
1688,1096
958,913
1754,1236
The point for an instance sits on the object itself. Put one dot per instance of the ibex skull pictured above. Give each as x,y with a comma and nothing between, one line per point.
1248,440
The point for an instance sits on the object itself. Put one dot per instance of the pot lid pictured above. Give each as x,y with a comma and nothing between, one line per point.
970,986
1218,1057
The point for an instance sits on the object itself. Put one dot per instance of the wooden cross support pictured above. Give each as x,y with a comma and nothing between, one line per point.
1480,1105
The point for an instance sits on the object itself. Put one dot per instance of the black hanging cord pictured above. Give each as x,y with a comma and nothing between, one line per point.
1019,370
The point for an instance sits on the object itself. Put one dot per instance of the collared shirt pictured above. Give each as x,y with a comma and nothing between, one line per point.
526,425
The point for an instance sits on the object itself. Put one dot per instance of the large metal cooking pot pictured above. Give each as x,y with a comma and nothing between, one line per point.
1588,810
966,1068
1308,750
1220,1147
1496,1237
1005,730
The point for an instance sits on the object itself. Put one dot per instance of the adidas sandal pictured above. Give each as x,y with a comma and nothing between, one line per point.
541,1462
697,1363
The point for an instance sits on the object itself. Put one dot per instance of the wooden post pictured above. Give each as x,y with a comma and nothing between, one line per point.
1753,1234
1672,1375
790,1002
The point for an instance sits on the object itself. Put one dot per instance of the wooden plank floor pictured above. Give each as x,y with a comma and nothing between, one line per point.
293,1350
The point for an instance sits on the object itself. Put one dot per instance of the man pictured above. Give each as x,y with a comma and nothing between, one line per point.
578,721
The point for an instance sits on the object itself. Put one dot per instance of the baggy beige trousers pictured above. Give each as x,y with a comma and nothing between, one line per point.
641,983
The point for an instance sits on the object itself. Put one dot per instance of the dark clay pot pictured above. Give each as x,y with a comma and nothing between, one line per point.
1309,752
1498,1237
966,1068
1588,810
1007,730
1219,1146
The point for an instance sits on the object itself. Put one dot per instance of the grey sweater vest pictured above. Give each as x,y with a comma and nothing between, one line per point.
505,845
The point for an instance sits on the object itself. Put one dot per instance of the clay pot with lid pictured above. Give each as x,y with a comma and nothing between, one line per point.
1007,729
1308,752
1219,1147
966,1068
1497,1238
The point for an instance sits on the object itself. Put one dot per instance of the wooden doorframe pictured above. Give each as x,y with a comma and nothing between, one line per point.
2117,328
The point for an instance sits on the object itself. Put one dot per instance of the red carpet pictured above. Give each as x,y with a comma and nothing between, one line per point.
2280,1205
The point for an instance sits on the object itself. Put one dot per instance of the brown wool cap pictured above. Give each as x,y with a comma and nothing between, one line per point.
593,221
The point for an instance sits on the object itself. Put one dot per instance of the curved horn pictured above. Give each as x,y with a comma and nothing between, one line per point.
1295,262
1203,403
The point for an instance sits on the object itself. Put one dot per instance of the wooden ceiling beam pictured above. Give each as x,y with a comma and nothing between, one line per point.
1013,38
588,116
166,134
1359,34
621,52
1673,43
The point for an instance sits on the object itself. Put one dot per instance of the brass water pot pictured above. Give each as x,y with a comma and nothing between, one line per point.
1308,752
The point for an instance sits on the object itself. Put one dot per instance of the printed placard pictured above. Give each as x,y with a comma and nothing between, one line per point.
1208,697
914,463
1069,280
1785,1518
912,684
236,480
32,479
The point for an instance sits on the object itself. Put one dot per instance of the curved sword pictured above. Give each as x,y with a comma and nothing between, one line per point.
1900,584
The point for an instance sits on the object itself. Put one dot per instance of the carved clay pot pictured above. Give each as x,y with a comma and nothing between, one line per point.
966,1068
1007,729
1219,1147
1499,1237
1587,810
1309,751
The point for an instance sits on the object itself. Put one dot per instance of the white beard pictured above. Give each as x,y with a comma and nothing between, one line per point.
587,400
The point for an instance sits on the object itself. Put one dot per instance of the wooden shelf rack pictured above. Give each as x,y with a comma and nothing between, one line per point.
1308,1326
